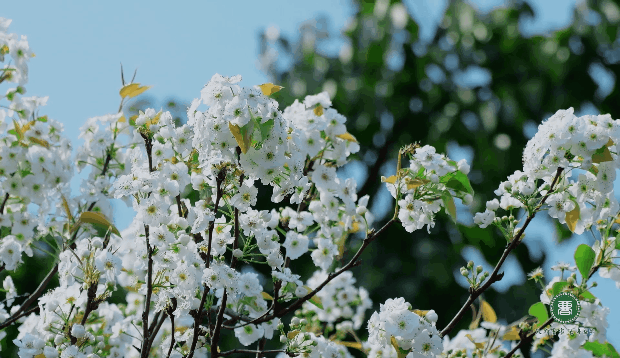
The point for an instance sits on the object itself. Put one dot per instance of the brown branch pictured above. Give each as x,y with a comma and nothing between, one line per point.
198,318
147,302
32,297
496,276
170,313
6,197
15,318
218,326
527,338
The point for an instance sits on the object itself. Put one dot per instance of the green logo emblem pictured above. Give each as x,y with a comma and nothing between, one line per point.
565,307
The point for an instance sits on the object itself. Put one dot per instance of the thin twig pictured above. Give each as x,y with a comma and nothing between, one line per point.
496,276
527,338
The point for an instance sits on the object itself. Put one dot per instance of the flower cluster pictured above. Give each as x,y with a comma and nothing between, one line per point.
186,264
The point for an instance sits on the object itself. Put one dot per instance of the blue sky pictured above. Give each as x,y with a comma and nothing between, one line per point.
80,46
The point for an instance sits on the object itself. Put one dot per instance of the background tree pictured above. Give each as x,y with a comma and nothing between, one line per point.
479,83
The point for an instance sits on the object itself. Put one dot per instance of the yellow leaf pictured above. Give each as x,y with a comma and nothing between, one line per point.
243,141
420,312
391,179
603,157
347,136
65,206
355,227
133,90
267,296
397,348
512,334
154,120
91,217
40,142
414,183
269,88
292,334
478,345
488,314
18,129
572,217
355,345
40,355
609,143
122,119
474,324
315,300
27,126
318,110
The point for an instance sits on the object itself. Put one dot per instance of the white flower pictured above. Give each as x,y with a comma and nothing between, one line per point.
295,245
249,334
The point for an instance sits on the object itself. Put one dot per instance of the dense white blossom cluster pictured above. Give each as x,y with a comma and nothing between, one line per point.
187,261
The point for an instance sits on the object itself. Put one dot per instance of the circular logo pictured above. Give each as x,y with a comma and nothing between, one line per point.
565,307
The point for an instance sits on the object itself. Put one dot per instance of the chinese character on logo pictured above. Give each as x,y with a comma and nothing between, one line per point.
565,308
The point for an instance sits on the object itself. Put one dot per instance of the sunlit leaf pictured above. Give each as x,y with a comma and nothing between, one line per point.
539,310
478,345
602,155
572,217
488,314
347,136
390,179
315,300
584,258
242,136
292,334
355,345
132,90
40,142
91,217
512,334
267,296
269,88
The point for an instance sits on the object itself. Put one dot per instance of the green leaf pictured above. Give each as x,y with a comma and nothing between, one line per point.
265,129
97,219
602,155
584,258
601,349
448,203
587,295
539,310
457,181
558,287
243,135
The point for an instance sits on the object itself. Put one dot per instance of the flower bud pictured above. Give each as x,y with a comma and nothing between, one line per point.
493,205
478,269
302,321
570,280
283,339
237,253
594,284
464,271
467,199
463,167
470,264
59,339
280,326
361,210
431,316
295,321
78,331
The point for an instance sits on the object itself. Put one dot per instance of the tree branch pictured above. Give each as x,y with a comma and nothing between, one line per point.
496,276
527,338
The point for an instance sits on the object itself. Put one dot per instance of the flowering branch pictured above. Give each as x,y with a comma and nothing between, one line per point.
495,275
249,351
